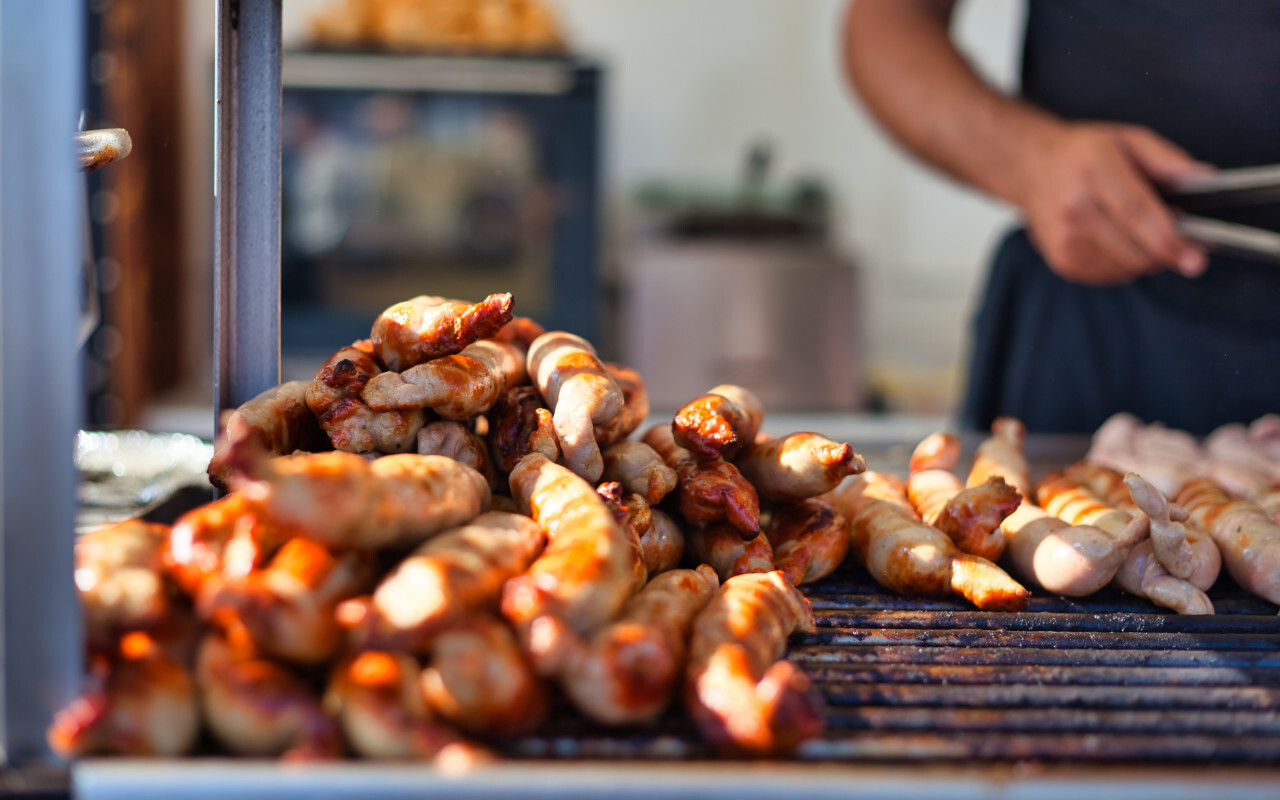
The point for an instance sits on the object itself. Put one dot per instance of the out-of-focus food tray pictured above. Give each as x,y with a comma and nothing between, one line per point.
132,473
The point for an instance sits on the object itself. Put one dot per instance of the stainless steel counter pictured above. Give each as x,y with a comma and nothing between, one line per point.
197,780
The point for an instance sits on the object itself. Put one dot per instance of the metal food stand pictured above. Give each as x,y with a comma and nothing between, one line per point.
866,640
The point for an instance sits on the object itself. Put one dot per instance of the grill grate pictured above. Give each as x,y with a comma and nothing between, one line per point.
1108,678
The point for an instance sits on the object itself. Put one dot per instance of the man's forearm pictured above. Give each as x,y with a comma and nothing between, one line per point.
900,58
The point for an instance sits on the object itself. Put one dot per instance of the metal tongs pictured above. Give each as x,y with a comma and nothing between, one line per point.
1228,188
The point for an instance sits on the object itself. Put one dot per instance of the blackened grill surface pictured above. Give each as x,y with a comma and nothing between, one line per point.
1109,678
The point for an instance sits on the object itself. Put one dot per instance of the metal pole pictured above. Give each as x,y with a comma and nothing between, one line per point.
247,132
41,228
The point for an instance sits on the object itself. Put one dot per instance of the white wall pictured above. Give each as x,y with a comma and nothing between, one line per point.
694,82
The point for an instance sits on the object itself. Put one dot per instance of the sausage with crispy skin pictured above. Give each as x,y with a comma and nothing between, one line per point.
798,466
1072,560
723,547
591,564
276,422
971,517
519,424
287,608
640,469
707,491
907,555
628,670
1247,536
456,387
479,679
741,696
380,706
334,397
342,500
451,575
581,393
219,541
417,330
718,424
809,540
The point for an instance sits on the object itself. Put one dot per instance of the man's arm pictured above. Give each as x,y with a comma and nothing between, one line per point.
1085,189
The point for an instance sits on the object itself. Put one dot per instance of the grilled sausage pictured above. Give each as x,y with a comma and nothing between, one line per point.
480,680
451,575
906,555
640,469
627,671
457,387
722,546
798,466
120,578
1247,536
519,424
276,422
136,702
1141,573
581,393
334,397
341,500
591,565
635,406
256,707
423,328
718,424
219,541
707,491
377,700
741,696
1072,560
662,545
457,441
287,608
809,540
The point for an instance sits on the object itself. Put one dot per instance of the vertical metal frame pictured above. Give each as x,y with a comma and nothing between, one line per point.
41,230
247,167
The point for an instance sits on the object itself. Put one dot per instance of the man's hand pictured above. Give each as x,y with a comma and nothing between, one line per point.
1092,210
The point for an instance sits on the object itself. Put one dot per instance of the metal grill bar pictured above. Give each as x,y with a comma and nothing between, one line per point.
1111,640
1147,623
969,748
1069,695
1006,675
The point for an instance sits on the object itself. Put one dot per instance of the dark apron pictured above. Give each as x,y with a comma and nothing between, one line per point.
1190,353
1063,357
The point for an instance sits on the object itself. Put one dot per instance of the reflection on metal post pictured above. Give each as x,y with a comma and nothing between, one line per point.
40,392
247,129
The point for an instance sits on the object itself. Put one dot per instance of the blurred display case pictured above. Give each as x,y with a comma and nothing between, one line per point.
407,175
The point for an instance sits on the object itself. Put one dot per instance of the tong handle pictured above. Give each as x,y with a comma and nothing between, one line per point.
1243,240
1246,186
